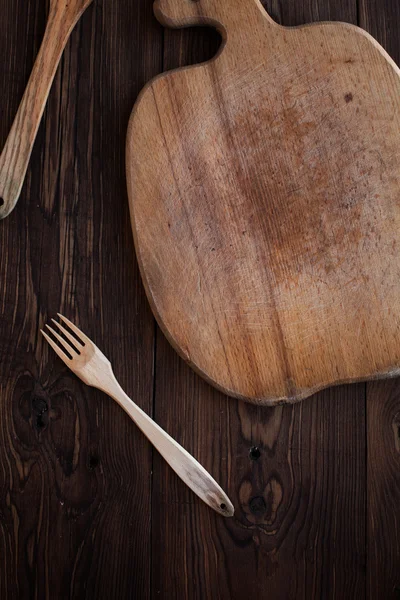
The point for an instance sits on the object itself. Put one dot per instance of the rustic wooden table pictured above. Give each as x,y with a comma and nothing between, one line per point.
87,509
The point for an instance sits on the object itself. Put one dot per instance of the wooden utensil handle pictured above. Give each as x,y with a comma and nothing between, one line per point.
18,148
184,464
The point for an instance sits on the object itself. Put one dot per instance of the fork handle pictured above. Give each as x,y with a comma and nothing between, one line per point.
184,464
18,147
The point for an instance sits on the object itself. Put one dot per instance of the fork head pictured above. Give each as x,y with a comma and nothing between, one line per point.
79,353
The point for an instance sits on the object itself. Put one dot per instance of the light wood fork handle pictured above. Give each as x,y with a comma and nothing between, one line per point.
184,464
18,148
85,359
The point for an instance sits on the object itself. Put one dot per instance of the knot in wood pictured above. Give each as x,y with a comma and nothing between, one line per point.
257,506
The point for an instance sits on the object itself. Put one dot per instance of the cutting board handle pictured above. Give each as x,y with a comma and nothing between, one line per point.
226,15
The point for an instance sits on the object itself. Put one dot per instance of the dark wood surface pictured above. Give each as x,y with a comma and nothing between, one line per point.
87,509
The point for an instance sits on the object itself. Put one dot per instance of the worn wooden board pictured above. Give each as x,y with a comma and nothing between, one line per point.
264,195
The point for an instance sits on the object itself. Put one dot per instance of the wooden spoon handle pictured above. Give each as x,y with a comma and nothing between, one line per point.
18,148
184,464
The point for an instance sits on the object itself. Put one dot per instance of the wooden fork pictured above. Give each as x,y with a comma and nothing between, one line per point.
89,364
63,15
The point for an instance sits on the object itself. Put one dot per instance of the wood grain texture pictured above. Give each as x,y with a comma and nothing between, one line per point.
88,362
383,430
383,402
299,529
75,474
264,189
63,15
75,487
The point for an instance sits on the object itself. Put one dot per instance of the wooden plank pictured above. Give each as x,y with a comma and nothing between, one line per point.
382,18
299,528
75,474
383,427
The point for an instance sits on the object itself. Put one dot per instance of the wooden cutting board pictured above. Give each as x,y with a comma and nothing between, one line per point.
264,191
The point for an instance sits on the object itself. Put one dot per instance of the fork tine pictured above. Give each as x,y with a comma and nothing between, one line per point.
56,348
66,345
72,339
83,338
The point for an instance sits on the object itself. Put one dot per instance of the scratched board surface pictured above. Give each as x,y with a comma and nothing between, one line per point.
264,196
87,509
